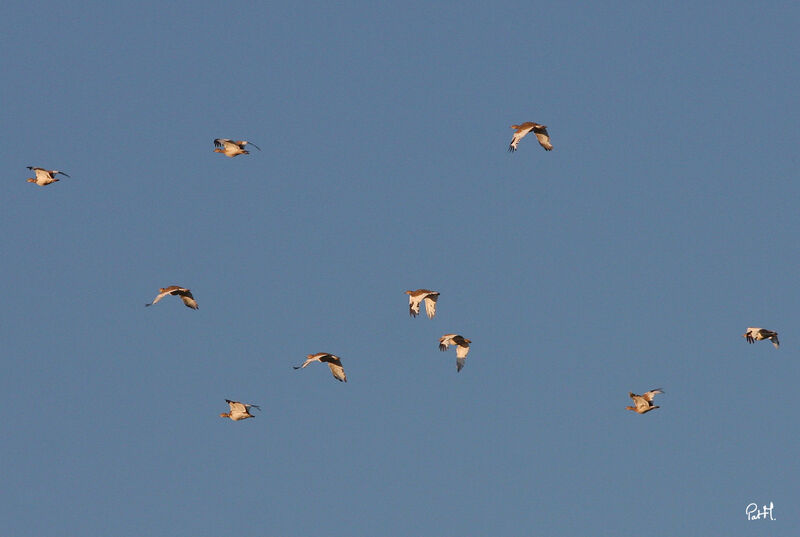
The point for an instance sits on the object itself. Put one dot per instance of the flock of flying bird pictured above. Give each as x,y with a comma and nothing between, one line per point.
239,411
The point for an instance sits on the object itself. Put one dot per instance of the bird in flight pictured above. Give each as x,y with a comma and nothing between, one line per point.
462,347
539,130
44,177
644,402
185,294
334,362
757,334
239,411
415,298
232,148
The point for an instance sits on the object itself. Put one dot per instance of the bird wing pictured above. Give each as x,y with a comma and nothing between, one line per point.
311,358
55,172
543,137
190,302
413,305
774,339
462,350
301,366
337,370
519,134
236,406
648,396
640,402
430,304
245,142
43,174
186,297
335,363
157,298
748,334
445,341
227,144
460,361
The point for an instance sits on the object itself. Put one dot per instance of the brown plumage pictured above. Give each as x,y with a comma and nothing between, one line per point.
644,402
539,130
757,334
232,148
238,411
44,177
175,290
416,297
334,362
462,348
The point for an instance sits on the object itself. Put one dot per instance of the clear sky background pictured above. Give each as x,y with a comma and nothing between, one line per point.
633,256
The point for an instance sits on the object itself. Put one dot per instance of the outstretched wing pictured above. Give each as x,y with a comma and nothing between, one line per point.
308,361
413,305
648,396
336,367
774,339
338,372
157,298
190,302
543,137
430,305
226,143
236,406
519,134
187,298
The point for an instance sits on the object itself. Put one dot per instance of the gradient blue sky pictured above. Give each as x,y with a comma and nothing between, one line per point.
633,256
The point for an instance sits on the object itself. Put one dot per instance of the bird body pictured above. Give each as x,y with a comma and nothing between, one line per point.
644,402
238,411
232,148
333,361
176,290
757,334
462,347
415,298
539,130
44,177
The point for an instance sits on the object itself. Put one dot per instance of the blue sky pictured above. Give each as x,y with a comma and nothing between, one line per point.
631,257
